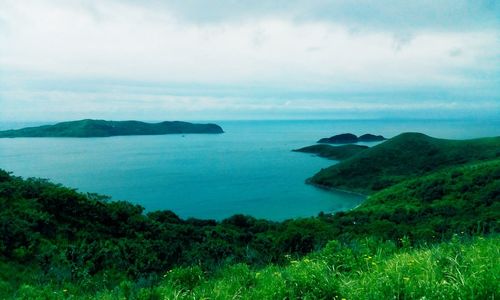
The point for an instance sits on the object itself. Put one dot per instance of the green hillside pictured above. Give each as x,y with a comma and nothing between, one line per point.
455,190
102,128
333,152
460,199
403,157
368,269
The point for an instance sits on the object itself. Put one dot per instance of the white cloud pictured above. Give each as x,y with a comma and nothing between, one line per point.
126,41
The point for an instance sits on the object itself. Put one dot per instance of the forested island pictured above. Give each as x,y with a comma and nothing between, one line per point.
429,229
102,128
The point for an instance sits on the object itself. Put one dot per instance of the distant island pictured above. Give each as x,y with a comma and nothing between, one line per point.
333,152
349,138
102,128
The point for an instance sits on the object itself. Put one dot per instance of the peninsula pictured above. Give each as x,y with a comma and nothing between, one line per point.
333,152
102,128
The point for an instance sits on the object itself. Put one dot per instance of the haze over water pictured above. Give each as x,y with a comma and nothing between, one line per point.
249,169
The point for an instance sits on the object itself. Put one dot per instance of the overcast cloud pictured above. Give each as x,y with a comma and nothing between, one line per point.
154,60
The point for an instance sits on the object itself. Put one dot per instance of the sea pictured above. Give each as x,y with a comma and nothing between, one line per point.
250,169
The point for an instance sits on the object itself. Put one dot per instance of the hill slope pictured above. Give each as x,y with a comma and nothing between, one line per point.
403,157
102,128
465,198
364,270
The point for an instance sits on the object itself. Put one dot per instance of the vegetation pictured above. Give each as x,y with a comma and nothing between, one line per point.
101,128
367,269
405,156
431,236
333,152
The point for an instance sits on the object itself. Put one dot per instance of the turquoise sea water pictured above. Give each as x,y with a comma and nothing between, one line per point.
249,169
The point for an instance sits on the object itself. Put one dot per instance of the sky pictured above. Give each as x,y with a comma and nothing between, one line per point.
227,59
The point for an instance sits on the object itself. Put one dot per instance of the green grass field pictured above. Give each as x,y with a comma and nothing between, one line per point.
460,269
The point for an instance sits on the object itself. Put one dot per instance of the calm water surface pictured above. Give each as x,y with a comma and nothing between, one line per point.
249,169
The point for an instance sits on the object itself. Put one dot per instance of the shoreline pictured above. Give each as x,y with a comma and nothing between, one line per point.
329,188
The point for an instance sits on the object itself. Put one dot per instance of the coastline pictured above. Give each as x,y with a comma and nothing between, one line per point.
329,188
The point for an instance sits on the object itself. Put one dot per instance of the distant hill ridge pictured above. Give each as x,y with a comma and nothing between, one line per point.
402,157
103,128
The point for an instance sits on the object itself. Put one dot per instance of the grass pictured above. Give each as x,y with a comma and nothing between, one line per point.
454,270
460,269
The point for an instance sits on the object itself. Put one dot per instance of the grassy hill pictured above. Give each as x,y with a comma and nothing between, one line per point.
460,269
465,198
466,188
333,152
402,157
102,128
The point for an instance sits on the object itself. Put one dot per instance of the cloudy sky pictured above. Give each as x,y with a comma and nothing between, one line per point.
212,60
